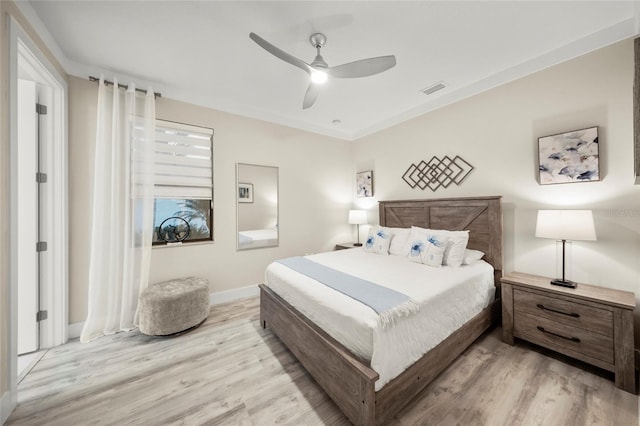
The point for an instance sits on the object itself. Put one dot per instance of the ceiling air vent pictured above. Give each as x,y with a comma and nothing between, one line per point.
434,88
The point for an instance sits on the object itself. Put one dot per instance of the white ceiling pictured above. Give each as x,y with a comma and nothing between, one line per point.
200,51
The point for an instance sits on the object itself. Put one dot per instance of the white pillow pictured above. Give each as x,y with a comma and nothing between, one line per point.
378,240
471,256
457,243
427,249
399,241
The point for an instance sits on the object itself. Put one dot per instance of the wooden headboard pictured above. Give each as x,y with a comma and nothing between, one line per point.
482,216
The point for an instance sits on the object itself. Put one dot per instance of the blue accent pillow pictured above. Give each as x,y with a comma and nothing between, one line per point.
378,241
455,246
428,249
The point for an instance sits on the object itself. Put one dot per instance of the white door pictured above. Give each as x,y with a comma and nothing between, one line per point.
27,220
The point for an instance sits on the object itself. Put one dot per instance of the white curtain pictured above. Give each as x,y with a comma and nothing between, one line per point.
122,209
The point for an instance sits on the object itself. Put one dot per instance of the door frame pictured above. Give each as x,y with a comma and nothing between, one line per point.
54,293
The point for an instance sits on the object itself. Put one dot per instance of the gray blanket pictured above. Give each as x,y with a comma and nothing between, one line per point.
387,303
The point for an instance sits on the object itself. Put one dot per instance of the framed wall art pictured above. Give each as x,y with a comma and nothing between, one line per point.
245,193
364,184
569,157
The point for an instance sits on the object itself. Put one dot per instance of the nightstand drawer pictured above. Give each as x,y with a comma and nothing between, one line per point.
575,342
560,311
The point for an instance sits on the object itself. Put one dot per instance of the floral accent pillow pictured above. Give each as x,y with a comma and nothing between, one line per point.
378,241
454,250
427,249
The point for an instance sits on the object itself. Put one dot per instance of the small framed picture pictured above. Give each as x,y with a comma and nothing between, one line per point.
569,157
364,184
245,193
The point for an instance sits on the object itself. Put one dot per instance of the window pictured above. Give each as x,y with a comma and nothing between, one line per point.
183,185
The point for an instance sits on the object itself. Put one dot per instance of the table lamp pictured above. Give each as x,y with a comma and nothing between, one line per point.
565,225
357,217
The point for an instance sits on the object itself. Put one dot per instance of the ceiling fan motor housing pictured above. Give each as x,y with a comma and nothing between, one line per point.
317,40
319,62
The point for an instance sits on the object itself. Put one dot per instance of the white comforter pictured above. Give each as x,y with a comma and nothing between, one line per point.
257,238
448,296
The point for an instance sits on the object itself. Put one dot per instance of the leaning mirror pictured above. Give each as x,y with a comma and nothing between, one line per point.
257,206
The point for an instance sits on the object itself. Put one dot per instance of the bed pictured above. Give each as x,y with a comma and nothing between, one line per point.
256,238
345,374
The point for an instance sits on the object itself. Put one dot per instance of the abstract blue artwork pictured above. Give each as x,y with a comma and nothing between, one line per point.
569,157
364,184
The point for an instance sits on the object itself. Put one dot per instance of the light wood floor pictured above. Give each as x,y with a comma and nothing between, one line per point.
231,372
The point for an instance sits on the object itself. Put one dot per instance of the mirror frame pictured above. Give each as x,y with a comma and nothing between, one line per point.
237,183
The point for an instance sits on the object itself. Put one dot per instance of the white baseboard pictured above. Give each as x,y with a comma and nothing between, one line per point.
74,330
235,294
5,407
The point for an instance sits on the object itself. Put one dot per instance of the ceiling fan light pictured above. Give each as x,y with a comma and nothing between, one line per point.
319,77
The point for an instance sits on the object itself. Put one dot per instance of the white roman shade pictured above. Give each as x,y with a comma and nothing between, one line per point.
183,161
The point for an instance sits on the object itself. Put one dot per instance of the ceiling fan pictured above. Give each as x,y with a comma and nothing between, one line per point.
319,70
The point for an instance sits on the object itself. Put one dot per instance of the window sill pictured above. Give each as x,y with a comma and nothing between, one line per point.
174,245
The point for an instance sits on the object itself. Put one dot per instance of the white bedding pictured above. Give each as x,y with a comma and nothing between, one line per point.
255,238
448,296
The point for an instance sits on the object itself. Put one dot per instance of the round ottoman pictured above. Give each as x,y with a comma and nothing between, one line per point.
172,306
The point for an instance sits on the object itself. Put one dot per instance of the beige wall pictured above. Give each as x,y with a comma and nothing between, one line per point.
315,193
497,133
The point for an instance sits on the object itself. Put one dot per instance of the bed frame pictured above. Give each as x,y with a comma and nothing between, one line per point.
348,379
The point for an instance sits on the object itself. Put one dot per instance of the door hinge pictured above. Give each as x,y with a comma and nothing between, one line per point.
41,177
41,316
41,246
41,109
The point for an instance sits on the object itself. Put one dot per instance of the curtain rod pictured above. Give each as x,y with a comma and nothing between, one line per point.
124,86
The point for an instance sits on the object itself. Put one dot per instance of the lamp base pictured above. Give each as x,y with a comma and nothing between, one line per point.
564,283
357,244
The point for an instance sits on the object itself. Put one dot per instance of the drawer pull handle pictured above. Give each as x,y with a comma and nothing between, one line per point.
573,339
572,314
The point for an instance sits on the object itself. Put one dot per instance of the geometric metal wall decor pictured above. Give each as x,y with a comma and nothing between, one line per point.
437,172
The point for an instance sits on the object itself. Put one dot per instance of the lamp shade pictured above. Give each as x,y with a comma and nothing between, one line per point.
574,225
357,217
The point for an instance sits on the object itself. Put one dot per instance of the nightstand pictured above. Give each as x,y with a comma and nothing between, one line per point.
589,323
344,246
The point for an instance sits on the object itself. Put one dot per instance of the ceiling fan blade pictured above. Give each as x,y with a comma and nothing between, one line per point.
310,97
363,67
280,53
